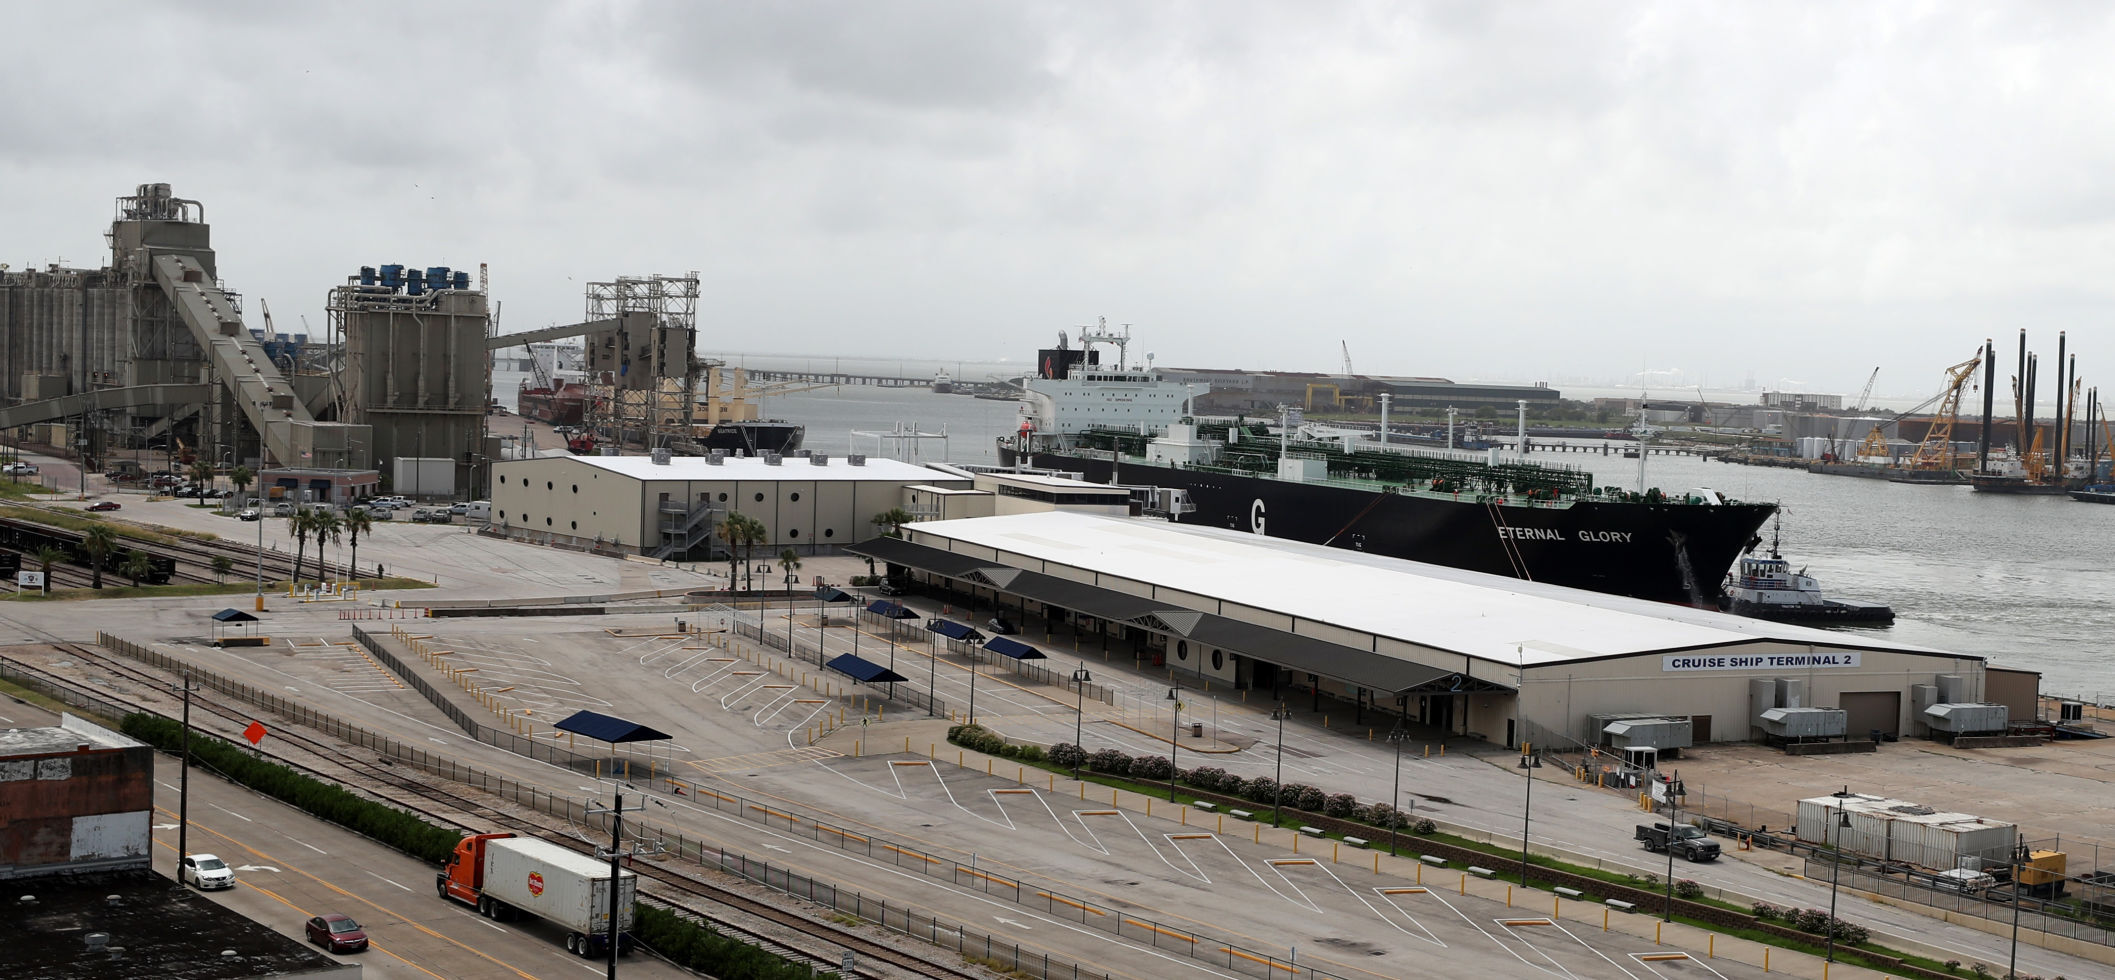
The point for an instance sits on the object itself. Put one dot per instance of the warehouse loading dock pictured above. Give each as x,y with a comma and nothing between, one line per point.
1458,650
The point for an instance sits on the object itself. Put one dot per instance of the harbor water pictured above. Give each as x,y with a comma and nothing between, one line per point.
2021,580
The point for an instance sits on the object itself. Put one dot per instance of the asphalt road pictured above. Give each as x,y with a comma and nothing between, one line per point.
290,866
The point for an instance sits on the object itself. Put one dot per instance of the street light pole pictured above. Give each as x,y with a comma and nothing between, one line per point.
1174,741
1277,806
1080,677
1395,800
932,681
1674,819
1843,819
973,687
2012,962
1527,801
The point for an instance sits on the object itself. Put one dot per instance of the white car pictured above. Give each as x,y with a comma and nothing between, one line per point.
248,514
207,872
19,469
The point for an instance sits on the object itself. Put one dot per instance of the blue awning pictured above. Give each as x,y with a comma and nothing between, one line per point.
605,728
892,609
1009,647
860,669
831,593
953,631
233,616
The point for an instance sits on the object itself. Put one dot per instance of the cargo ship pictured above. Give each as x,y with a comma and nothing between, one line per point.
1123,424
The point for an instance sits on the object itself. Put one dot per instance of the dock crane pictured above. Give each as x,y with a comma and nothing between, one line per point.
1936,451
1346,345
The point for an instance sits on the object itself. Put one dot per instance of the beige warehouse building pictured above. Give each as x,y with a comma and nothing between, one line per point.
1474,654
664,506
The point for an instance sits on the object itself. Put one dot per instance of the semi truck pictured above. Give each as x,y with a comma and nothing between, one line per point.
1691,843
506,877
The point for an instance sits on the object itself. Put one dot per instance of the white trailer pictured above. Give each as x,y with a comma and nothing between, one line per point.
506,877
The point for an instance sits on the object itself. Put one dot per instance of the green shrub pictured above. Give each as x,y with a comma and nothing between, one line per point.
380,821
705,949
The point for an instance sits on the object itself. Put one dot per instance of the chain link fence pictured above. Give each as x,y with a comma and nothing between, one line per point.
2066,916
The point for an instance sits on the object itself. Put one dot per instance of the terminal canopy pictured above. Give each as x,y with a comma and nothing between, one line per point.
891,609
867,671
1010,647
831,593
233,616
953,631
604,728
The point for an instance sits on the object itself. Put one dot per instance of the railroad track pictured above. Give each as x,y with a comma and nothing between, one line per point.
194,559
492,818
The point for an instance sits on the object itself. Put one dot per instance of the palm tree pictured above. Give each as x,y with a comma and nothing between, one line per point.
894,519
326,528
753,534
301,523
241,476
202,475
137,566
730,530
46,556
789,562
357,522
98,541
222,565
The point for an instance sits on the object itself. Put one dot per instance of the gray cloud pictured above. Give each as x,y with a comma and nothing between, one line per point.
1536,190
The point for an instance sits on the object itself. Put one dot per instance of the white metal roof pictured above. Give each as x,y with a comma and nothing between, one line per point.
1486,616
754,468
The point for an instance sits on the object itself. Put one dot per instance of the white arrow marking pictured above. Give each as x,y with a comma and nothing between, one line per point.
775,847
1012,923
165,826
373,875
262,867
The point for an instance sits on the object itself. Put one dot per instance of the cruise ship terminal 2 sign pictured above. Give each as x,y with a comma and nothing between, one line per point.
1757,661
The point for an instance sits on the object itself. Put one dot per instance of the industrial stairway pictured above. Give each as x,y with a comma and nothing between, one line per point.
291,432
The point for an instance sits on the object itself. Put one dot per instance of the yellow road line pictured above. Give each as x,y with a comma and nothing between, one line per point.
371,903
1082,906
1164,932
1230,951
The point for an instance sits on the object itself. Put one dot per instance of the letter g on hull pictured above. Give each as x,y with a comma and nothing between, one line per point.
1256,516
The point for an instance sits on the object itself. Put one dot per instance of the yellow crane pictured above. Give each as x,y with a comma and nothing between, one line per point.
1936,451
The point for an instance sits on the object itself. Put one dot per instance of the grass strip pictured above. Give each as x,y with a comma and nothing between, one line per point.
272,589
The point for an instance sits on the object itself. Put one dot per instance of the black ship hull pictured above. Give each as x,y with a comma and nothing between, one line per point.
755,438
1675,553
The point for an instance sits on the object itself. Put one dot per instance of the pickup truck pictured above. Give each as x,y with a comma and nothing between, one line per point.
1691,843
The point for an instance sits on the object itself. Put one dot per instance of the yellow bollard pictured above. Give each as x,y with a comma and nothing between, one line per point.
1334,849
1259,833
855,748
1766,959
1222,823
1604,928
1428,750
1369,734
1556,907
1053,782
1083,789
1443,749
1325,721
906,743
1656,938
1112,796
1711,947
1020,774
1296,843
1465,884
1376,862
1508,896
1149,806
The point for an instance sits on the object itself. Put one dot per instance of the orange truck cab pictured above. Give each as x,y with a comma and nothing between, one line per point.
464,878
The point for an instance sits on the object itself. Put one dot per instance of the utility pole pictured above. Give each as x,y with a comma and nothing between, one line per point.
615,853
183,788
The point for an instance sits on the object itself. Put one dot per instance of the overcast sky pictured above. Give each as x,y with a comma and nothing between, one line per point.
1566,191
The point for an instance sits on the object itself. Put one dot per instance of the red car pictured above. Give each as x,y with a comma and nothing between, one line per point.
337,933
104,505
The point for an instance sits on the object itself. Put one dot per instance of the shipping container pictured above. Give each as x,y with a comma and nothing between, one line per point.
1900,831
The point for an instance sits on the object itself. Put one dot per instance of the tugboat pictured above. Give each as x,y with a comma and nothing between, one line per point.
1767,588
942,383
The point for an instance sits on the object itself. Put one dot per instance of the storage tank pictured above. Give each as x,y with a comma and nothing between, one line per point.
1897,830
1656,733
1806,722
1966,719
